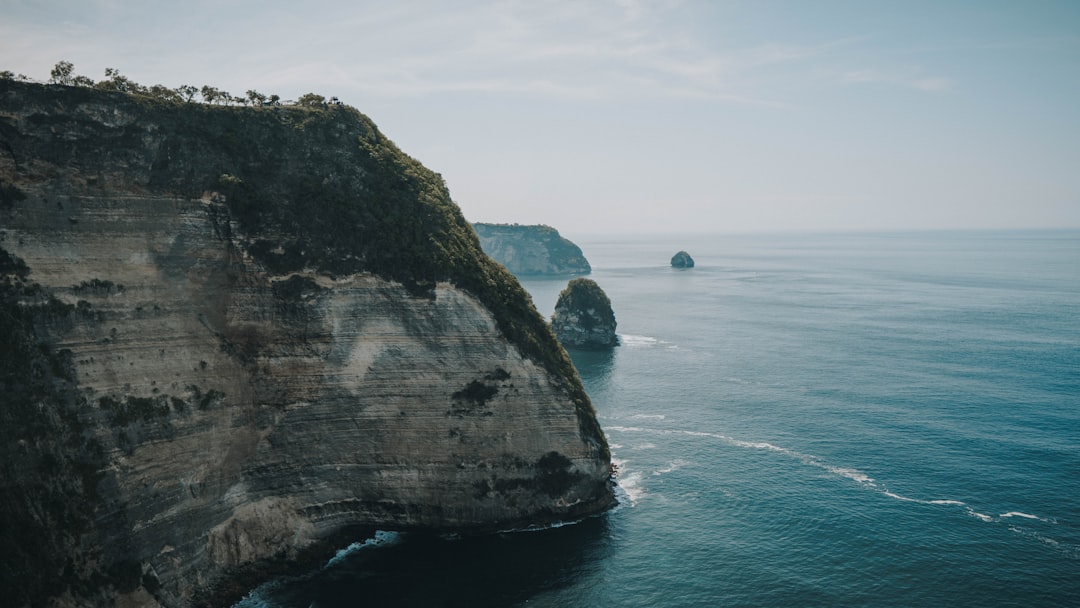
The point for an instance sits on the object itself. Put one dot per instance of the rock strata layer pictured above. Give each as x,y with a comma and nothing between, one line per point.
532,250
235,336
583,316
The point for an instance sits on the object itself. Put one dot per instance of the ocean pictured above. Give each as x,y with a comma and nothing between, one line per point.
799,420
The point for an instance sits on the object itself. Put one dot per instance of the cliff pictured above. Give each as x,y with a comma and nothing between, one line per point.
236,336
532,250
583,316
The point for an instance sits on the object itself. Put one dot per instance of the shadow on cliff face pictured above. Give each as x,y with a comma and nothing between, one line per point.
428,570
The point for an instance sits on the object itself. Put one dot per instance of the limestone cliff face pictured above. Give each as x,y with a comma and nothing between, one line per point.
532,250
240,334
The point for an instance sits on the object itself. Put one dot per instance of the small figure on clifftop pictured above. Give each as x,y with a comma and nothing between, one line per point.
682,260
583,317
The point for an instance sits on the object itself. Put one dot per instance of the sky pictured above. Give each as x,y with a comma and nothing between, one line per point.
635,116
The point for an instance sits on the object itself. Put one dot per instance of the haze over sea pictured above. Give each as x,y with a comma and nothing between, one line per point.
800,420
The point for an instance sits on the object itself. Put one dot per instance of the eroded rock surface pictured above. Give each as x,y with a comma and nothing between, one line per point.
229,345
583,316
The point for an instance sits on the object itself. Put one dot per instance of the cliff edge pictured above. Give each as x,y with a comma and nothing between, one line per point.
236,336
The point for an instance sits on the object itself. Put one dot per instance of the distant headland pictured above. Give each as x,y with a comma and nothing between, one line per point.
532,249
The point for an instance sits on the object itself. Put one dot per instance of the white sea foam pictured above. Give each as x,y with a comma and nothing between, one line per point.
672,466
548,526
1019,514
759,445
622,498
631,484
254,599
637,341
902,498
631,429
852,474
381,538
1027,516
648,416
846,472
942,502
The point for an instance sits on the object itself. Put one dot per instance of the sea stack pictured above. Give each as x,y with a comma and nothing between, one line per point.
583,316
682,260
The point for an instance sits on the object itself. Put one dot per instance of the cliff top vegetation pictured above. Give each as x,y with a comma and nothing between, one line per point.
585,294
63,73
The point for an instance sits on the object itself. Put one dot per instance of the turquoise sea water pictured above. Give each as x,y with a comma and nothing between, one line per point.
825,420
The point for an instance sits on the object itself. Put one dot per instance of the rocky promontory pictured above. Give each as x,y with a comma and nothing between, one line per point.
532,249
233,337
583,316
682,260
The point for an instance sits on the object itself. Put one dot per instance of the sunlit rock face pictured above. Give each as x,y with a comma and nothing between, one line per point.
527,250
202,384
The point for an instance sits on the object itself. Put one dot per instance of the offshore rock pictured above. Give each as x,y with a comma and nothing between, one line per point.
532,250
583,316
682,260
235,337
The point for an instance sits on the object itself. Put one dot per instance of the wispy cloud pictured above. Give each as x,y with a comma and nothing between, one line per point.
609,50
905,78
604,50
613,49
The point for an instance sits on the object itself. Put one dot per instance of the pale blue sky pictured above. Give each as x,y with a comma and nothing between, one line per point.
638,116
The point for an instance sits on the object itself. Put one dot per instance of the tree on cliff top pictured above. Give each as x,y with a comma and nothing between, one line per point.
62,73
311,100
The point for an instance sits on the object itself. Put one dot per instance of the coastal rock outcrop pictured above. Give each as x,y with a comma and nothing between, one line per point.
235,337
682,260
583,316
532,250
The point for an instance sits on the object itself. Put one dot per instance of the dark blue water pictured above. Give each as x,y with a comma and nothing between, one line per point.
830,420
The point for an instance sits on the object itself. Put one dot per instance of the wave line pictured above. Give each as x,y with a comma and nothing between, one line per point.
852,474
